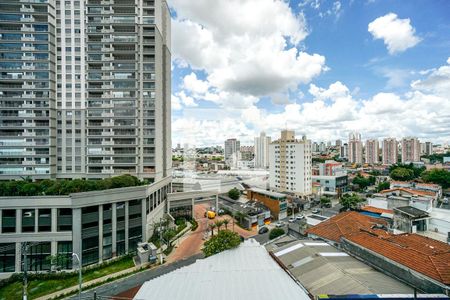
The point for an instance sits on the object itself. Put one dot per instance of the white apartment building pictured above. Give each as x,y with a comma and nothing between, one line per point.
262,151
85,89
410,149
232,152
355,148
389,151
426,148
290,164
371,152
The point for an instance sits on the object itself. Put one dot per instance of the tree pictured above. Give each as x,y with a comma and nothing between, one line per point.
224,240
234,193
226,222
276,232
212,226
350,201
383,186
325,201
218,224
402,174
438,176
363,182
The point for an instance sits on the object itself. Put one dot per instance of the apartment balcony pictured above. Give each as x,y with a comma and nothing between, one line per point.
27,67
28,162
29,96
107,68
107,105
107,124
107,171
107,77
107,143
106,21
28,76
27,29
28,134
28,86
24,124
107,39
107,161
27,19
107,49
106,95
29,57
26,115
107,30
107,133
104,152
107,86
27,48
107,2
28,105
29,153
27,9
27,39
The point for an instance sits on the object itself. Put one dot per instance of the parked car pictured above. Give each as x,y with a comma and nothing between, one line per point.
279,224
263,230
300,217
221,212
291,220
315,211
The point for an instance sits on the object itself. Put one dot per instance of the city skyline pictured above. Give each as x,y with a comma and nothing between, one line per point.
324,69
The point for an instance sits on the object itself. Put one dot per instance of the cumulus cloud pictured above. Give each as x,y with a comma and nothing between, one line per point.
246,47
397,34
332,112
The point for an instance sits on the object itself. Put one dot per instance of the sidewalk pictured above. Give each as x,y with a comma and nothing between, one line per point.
74,289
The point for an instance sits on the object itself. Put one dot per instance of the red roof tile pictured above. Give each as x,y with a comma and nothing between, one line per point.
410,191
343,224
419,253
376,210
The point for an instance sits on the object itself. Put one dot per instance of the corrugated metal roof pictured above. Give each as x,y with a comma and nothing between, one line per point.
247,272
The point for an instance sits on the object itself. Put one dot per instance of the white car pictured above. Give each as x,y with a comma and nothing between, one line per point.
279,224
291,220
300,217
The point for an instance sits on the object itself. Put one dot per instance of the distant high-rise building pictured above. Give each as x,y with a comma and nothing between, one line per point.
390,151
426,148
372,150
231,151
85,89
344,151
291,164
315,147
262,151
338,143
322,147
355,148
410,149
247,153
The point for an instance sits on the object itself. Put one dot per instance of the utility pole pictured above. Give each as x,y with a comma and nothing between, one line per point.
74,255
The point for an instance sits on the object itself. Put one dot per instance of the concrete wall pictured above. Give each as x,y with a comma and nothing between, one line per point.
394,269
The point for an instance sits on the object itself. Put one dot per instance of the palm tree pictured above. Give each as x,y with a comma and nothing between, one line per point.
212,226
225,222
218,224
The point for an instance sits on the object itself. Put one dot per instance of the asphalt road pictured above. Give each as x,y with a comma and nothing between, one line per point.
127,283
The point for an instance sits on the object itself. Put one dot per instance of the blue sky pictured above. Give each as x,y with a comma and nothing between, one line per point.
322,68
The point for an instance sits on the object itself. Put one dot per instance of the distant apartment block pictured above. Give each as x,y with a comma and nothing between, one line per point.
355,148
290,164
390,151
410,150
262,151
426,148
372,151
232,151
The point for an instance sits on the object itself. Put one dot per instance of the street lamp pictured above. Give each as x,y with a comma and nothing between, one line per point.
74,255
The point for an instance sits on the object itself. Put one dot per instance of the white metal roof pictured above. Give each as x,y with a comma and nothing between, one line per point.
247,272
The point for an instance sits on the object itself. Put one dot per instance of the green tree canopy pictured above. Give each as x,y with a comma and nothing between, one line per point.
438,176
234,193
350,201
383,186
223,240
276,232
363,182
402,174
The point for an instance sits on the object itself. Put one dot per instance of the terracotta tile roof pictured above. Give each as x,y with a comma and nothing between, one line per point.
344,224
421,254
432,185
410,191
376,210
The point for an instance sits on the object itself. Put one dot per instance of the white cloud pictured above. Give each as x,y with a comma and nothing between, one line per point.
191,83
398,34
176,104
437,82
245,47
334,91
186,100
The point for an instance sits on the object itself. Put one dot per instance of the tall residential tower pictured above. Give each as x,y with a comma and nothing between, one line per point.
410,150
262,151
389,151
355,148
85,89
371,151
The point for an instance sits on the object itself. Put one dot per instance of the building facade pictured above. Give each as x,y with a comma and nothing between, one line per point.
426,148
290,165
96,225
85,89
371,152
262,151
390,151
355,148
232,152
410,150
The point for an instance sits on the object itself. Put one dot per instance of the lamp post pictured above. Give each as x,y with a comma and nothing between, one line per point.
74,255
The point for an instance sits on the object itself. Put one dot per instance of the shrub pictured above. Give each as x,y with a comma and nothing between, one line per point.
276,232
223,240
234,193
